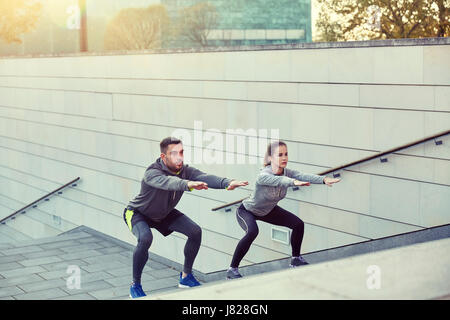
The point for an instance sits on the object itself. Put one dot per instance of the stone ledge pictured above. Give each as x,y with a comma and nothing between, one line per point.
293,46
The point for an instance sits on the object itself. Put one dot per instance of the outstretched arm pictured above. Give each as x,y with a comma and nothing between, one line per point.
213,181
157,179
274,181
307,177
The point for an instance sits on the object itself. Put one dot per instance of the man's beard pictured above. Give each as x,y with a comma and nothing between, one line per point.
173,167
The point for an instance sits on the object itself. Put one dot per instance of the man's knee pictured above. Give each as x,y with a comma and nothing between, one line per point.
145,239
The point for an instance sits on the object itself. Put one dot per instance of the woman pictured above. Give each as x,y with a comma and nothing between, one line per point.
271,186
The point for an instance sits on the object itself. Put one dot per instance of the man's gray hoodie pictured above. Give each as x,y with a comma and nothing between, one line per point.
161,190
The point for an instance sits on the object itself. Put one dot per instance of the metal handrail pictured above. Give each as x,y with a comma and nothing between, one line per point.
350,164
40,199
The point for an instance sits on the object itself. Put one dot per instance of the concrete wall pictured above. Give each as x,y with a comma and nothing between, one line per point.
102,117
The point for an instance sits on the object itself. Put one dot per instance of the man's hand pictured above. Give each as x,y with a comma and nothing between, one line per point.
301,183
329,181
197,185
235,184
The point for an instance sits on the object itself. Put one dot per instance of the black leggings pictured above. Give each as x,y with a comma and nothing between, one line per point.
278,216
144,236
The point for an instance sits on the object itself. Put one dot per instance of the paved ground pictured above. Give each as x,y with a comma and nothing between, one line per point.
40,269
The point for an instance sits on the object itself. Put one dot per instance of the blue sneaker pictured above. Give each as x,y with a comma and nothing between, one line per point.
136,291
188,282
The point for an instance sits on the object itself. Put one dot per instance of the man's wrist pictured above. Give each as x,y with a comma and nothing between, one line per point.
229,183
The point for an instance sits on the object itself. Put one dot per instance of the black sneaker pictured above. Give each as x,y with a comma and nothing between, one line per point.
233,274
297,262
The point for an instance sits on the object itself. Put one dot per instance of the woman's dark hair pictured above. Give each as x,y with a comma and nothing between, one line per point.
164,144
270,148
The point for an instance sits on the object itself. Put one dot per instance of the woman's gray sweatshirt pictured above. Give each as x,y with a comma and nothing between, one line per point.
271,188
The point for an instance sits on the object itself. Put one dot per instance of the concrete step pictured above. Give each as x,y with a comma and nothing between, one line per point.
8,231
418,271
4,238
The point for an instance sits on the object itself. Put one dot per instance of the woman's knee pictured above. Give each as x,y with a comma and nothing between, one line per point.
252,233
299,225
195,233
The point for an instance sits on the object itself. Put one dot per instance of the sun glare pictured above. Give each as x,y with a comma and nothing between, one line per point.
62,13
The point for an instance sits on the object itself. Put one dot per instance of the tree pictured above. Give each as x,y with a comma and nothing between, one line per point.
137,29
196,22
341,20
18,17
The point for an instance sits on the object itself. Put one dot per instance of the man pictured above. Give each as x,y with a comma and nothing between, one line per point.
154,207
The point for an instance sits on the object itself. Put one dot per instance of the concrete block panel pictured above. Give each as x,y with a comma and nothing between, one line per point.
168,66
393,65
441,172
329,218
310,65
395,199
278,117
329,94
7,96
405,167
353,223
272,91
340,194
240,66
139,86
317,238
397,97
225,90
351,65
436,122
350,127
434,204
436,65
311,124
393,128
272,65
442,151
442,98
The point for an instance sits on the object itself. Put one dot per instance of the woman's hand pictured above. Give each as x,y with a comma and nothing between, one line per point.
329,181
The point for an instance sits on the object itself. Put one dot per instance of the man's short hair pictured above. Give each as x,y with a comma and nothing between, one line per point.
164,144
